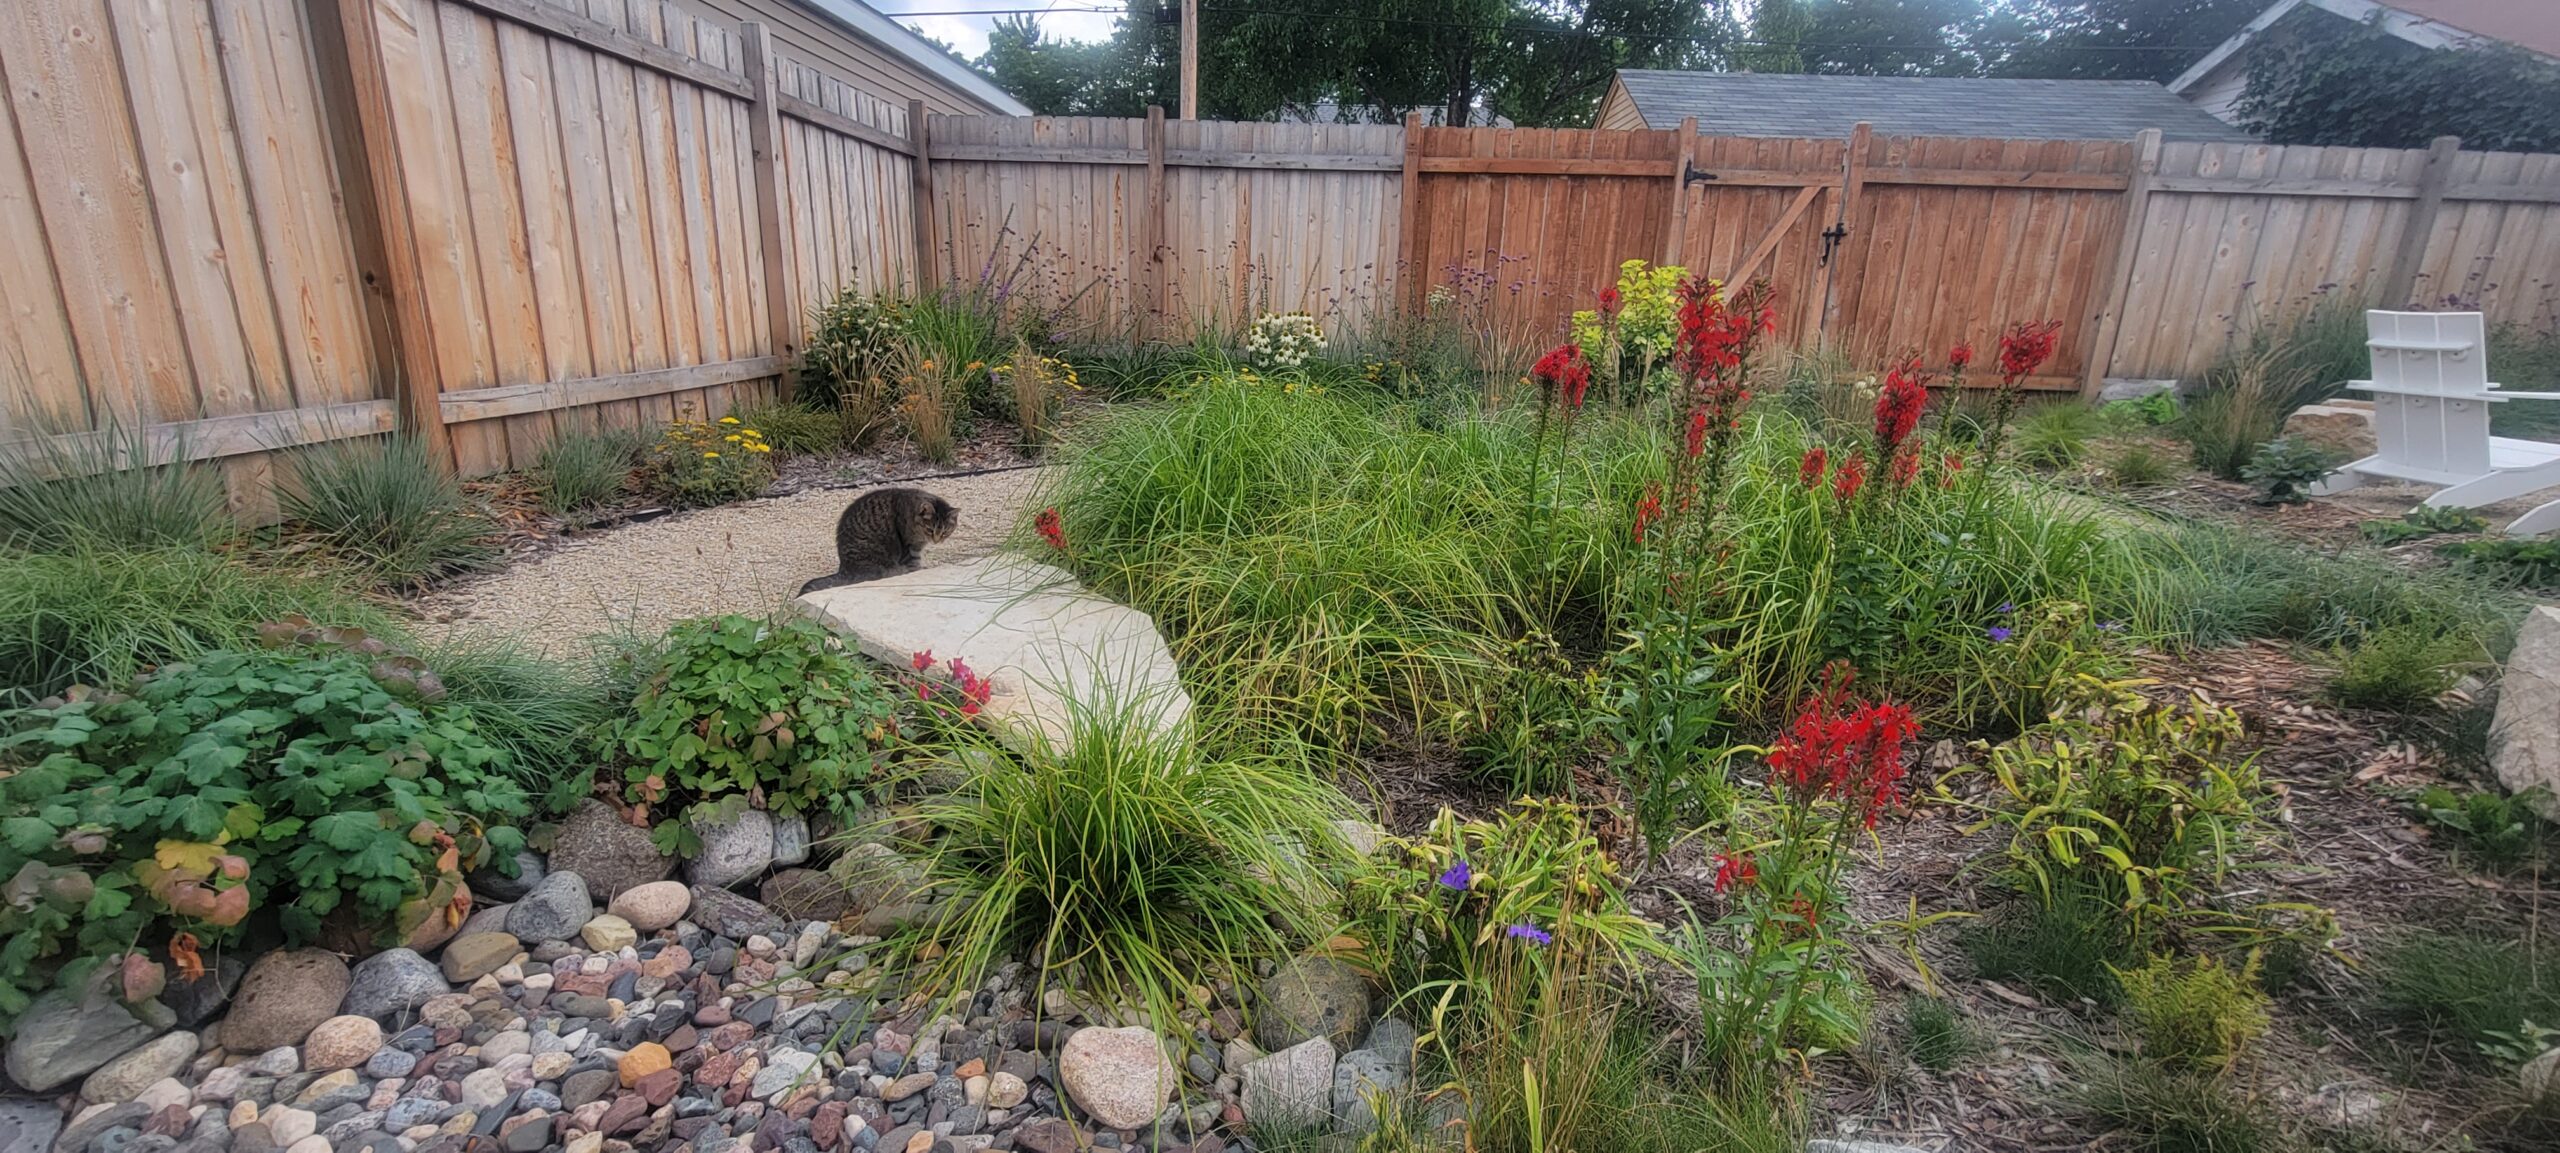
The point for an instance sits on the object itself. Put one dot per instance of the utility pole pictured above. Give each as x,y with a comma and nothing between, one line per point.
1191,59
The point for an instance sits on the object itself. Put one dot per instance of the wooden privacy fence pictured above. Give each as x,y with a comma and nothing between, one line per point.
246,226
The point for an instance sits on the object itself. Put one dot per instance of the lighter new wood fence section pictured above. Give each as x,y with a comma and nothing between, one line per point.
169,215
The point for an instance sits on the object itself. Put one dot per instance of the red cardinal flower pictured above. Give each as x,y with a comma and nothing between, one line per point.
1735,869
1648,510
1697,441
1564,371
1905,466
1845,749
1816,462
1611,302
2025,347
1050,528
1898,407
1948,469
1960,357
1851,477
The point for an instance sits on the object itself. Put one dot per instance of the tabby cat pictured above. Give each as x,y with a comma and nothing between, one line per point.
883,532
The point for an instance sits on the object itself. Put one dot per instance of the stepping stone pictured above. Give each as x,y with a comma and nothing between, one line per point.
1039,638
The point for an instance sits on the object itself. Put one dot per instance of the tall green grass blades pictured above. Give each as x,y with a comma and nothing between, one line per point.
2470,990
2152,1108
581,469
1130,856
542,712
793,429
59,490
2056,434
386,507
93,615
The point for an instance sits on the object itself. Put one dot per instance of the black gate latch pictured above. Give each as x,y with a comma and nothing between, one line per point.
1690,174
1831,238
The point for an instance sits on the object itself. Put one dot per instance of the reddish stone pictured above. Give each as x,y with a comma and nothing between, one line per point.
826,1126
659,1087
711,1013
626,1113
670,961
973,1067
589,984
170,1121
682,1040
729,1036
716,1072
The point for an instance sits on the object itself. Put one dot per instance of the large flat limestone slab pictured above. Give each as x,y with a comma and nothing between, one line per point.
1040,638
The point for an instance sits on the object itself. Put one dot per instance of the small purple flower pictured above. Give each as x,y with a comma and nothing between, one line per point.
1530,933
2000,633
1457,877
2007,607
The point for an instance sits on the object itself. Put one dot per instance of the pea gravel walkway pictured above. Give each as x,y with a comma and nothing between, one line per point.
746,558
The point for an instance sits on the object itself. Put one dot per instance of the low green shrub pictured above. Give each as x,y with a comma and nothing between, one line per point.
697,464
2473,990
2149,411
850,338
739,711
2284,469
64,492
1937,1032
2194,1014
95,615
1511,938
2499,830
581,469
793,429
2067,943
2133,800
2400,669
1129,855
387,508
279,783
2531,563
2140,464
2055,435
2148,1107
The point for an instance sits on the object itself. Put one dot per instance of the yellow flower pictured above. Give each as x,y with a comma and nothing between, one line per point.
710,456
728,420
764,448
731,438
752,432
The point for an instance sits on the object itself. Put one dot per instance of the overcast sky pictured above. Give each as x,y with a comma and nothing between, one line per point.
943,19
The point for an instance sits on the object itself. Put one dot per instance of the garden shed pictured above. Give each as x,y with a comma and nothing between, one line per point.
1790,104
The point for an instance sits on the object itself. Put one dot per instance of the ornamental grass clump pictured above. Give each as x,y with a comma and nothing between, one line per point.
388,509
1128,855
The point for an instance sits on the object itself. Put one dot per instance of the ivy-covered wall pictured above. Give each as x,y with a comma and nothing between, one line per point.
2317,79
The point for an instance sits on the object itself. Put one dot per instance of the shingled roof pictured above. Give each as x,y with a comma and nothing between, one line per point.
1793,104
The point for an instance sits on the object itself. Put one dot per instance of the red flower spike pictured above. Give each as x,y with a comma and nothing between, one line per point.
1611,302
1564,371
1734,869
1960,357
1850,478
1697,441
1648,510
2025,347
1899,405
1905,467
922,660
1051,530
1817,461
1845,749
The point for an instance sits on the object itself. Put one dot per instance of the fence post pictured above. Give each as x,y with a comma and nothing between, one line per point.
764,134
921,193
1675,234
354,54
1151,312
1853,177
1409,279
2412,251
2108,325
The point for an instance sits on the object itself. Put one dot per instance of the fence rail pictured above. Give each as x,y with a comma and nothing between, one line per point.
247,226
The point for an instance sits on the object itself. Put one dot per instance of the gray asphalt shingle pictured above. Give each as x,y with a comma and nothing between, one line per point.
1787,104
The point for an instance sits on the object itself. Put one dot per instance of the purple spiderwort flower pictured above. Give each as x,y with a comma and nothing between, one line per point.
2007,607
1530,933
2000,633
1457,877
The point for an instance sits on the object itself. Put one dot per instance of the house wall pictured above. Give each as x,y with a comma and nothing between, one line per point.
830,47
1618,110
2220,91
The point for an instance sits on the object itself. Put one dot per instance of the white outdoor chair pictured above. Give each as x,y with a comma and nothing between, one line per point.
2431,398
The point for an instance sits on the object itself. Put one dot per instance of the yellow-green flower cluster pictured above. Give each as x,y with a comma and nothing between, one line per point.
710,462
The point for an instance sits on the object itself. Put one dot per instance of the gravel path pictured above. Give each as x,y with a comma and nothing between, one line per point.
746,558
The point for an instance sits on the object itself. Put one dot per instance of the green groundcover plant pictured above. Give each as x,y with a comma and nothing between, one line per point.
282,784
741,712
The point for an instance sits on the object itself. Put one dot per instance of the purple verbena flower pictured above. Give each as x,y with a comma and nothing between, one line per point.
1457,877
2007,607
2000,633
1530,933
